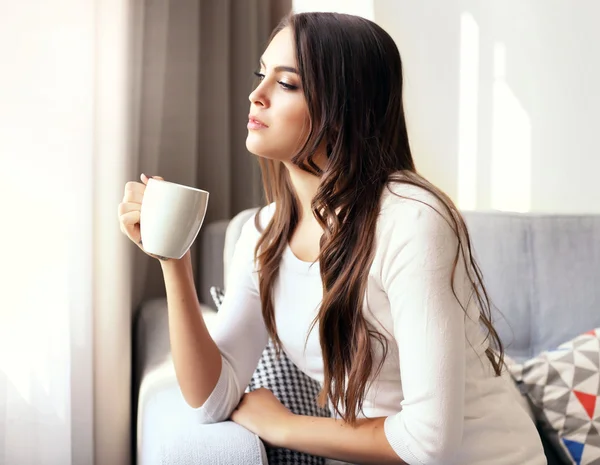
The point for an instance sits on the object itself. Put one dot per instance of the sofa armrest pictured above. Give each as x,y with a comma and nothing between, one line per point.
167,429
171,435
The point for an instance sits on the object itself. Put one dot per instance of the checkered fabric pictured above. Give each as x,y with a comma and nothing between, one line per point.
294,389
564,387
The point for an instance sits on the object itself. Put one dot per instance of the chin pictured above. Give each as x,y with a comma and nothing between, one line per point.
260,150
253,147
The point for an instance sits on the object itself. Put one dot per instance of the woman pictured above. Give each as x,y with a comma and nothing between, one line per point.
358,268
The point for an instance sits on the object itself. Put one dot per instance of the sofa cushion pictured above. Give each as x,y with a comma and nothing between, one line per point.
501,244
542,274
566,267
563,386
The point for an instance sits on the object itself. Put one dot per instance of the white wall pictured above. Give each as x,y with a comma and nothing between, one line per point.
362,8
503,99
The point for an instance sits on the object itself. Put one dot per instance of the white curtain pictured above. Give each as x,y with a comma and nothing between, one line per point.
65,270
93,92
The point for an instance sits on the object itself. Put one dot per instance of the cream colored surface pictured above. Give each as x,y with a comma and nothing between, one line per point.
502,98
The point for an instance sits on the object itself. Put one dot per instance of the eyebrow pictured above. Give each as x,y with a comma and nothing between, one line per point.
281,68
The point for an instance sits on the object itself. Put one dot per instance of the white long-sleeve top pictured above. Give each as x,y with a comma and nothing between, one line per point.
443,403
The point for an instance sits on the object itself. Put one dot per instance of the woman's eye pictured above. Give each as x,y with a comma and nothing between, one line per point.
285,85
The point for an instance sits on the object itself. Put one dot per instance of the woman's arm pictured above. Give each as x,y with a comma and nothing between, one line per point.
418,250
327,437
213,369
196,357
263,414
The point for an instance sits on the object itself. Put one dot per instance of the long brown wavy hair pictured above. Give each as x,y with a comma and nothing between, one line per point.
351,75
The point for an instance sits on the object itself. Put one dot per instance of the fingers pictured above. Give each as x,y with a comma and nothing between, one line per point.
136,187
145,178
130,219
134,192
128,207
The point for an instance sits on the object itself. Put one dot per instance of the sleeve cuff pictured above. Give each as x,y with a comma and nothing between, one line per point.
223,398
395,433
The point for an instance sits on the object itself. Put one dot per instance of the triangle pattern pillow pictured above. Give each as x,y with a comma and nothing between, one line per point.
294,389
563,386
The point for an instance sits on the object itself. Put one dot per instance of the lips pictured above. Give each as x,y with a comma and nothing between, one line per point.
255,123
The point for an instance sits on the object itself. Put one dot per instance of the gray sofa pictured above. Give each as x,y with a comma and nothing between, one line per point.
542,272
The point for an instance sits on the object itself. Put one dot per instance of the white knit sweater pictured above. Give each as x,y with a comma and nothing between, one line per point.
436,387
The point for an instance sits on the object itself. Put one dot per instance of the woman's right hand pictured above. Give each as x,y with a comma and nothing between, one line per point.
129,210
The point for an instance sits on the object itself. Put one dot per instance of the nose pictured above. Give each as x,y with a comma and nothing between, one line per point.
258,96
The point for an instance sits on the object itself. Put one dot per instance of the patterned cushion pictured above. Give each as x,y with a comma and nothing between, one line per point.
563,386
294,389
217,295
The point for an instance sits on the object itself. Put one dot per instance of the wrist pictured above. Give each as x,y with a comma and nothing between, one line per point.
184,263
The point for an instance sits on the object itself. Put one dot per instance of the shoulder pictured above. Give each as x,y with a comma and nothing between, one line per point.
265,215
242,234
249,229
415,233
411,210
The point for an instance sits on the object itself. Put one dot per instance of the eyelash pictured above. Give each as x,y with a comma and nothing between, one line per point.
286,86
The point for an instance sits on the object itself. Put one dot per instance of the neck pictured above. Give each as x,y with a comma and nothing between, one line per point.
305,185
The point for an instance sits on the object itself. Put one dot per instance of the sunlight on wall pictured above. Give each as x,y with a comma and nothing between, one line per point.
467,112
510,187
362,8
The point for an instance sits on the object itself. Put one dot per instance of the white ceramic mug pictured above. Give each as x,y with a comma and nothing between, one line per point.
171,217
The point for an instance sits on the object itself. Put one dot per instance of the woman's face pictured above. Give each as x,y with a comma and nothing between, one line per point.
278,123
